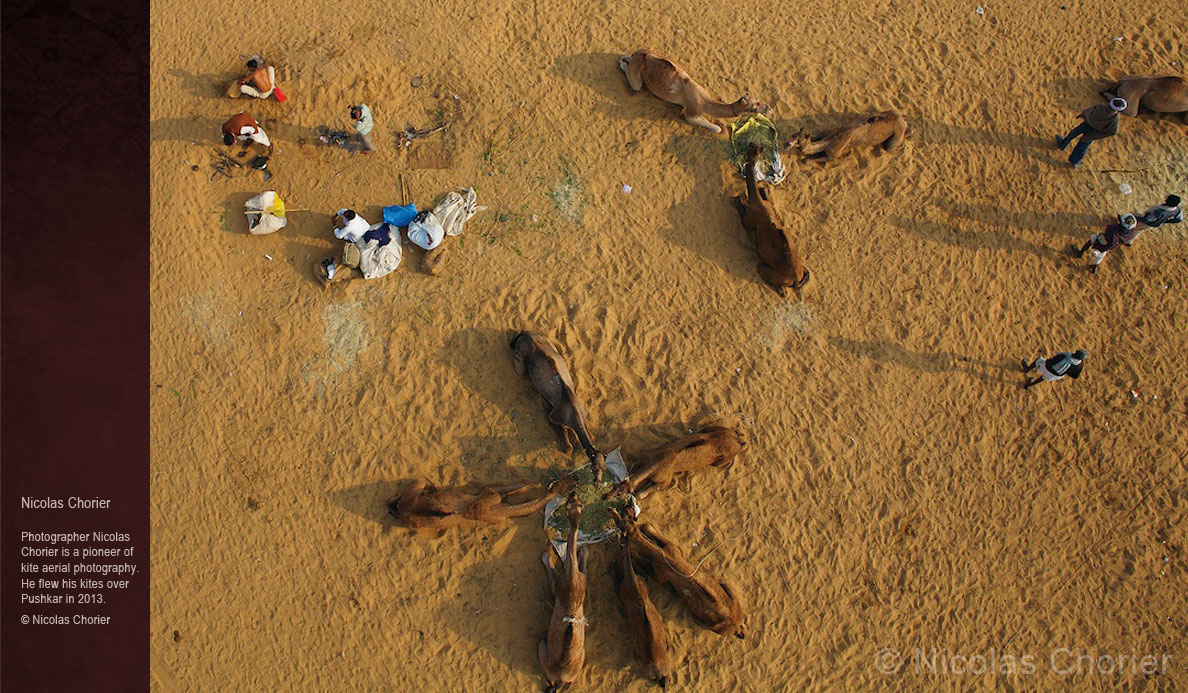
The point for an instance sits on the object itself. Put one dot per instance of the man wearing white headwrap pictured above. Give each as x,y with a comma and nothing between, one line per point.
1100,121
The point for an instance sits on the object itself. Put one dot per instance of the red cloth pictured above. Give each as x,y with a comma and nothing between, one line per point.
280,95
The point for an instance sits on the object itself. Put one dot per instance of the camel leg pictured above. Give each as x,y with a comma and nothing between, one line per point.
562,437
701,121
634,71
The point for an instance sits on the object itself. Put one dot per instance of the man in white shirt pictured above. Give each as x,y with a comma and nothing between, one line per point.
349,226
361,114
241,127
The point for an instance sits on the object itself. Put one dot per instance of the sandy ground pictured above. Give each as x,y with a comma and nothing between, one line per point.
900,490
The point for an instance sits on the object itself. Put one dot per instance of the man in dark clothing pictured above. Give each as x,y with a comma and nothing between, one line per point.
1113,236
1167,213
1100,121
1056,367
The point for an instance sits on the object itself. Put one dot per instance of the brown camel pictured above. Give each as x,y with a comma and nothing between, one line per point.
887,129
535,357
711,601
670,83
1159,94
563,652
645,628
779,259
423,506
661,467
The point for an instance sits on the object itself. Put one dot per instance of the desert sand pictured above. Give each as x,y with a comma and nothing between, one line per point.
900,490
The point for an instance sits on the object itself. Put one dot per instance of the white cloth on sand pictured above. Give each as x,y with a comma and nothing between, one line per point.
377,261
263,222
428,230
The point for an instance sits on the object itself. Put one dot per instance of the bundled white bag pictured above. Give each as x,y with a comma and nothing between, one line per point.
426,231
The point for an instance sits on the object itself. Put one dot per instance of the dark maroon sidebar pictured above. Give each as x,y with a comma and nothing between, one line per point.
74,327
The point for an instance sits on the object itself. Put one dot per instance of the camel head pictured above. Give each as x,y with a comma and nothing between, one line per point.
802,138
573,509
746,104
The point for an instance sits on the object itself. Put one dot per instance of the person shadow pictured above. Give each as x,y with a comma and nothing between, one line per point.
1065,223
209,85
939,362
973,240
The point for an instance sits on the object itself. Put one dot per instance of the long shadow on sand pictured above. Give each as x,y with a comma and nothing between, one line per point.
210,85
706,222
942,362
1067,223
973,240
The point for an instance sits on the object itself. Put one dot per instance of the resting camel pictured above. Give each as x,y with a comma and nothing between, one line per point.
886,129
1159,94
563,652
535,357
423,506
670,83
661,467
779,259
645,628
711,601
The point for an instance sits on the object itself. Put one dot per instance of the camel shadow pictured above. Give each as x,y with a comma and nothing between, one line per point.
211,85
370,501
1077,93
600,73
974,240
482,358
943,362
706,223
1066,223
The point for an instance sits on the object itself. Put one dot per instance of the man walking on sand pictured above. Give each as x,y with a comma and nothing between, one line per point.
1100,121
241,127
361,114
1056,367
1113,236
1167,213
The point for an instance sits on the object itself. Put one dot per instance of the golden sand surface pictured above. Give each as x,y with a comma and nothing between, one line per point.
900,490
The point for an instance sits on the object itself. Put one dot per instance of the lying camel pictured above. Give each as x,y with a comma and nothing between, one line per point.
660,468
645,628
535,357
886,129
779,259
711,601
1159,94
670,83
423,506
563,652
